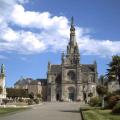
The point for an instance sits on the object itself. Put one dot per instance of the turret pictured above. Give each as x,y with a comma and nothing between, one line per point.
95,64
63,57
49,65
2,70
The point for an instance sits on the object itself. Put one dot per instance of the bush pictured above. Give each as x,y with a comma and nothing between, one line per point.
31,95
116,108
36,101
95,101
30,102
113,100
5,101
20,100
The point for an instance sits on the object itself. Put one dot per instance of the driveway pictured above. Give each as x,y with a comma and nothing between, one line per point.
49,111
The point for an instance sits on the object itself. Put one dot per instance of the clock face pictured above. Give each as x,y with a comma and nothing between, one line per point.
71,75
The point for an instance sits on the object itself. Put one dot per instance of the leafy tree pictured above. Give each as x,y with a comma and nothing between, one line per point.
101,90
114,69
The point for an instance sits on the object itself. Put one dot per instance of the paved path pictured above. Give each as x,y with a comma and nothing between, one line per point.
49,111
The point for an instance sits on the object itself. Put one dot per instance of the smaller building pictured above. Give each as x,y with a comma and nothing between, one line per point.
2,84
36,87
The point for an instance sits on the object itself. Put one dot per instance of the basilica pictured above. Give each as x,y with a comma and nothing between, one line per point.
71,80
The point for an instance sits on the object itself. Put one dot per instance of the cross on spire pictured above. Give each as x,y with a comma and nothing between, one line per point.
72,21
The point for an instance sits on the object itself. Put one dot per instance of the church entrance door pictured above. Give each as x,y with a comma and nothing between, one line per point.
71,94
57,97
58,87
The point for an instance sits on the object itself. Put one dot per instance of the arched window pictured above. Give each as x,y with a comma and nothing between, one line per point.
58,79
71,75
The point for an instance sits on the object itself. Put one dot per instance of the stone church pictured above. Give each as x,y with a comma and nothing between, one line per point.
71,80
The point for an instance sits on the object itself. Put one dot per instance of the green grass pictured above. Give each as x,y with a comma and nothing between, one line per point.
5,111
97,114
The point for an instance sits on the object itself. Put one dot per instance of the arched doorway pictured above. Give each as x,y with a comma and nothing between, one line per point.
71,93
58,87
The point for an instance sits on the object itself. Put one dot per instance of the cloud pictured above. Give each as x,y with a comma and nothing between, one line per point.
41,32
3,57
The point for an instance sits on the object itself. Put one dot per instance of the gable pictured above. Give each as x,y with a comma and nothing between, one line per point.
88,68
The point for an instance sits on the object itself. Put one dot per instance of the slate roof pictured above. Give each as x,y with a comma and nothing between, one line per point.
30,81
84,68
88,68
43,81
24,81
55,68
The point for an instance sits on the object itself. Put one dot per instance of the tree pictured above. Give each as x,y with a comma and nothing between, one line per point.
114,69
101,90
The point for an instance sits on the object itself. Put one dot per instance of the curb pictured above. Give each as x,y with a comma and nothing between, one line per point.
82,117
14,106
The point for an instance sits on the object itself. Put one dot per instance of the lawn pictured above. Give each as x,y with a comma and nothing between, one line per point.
97,114
4,111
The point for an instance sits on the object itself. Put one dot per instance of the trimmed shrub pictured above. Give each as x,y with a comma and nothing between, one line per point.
36,101
30,102
116,108
113,100
95,101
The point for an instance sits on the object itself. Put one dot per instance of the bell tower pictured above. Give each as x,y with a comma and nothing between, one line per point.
72,56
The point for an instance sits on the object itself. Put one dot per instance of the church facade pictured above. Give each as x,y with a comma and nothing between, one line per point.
71,80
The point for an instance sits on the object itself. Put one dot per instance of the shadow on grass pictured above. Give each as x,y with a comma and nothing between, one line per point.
72,111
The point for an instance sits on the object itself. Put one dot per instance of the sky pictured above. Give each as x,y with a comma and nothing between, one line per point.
33,32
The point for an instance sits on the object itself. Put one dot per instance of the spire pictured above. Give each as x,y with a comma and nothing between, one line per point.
2,69
72,21
72,33
72,56
72,29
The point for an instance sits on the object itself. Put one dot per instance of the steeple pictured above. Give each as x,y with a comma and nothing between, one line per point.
72,47
72,24
3,70
72,56
72,33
